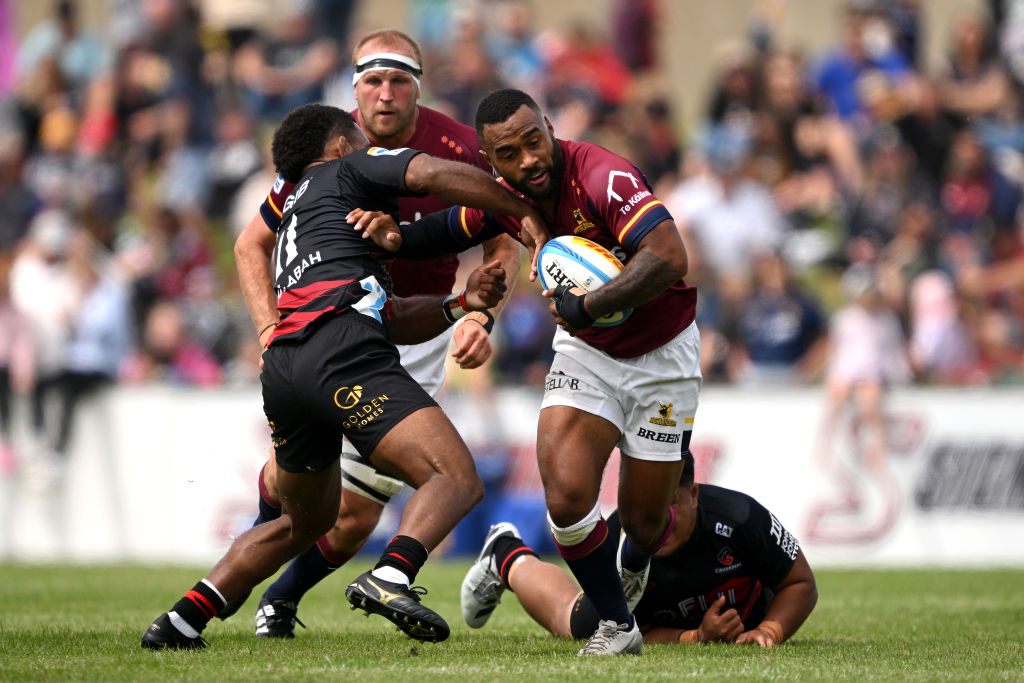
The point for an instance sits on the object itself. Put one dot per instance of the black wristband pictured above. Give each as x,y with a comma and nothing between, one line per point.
570,307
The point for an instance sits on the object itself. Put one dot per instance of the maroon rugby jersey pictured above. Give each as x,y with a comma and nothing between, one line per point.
439,136
606,199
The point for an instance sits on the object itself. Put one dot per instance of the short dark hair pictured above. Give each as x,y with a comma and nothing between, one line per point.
501,104
300,138
686,478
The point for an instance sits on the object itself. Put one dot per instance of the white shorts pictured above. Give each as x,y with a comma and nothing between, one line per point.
425,362
652,398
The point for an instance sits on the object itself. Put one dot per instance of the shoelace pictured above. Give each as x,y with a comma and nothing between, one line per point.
602,638
416,592
284,613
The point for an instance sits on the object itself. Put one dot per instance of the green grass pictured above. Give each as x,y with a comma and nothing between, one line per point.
85,623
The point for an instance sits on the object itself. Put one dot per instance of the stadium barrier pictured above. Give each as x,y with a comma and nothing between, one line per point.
167,475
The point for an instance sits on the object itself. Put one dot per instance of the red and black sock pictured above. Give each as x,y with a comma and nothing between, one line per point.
507,550
199,605
405,554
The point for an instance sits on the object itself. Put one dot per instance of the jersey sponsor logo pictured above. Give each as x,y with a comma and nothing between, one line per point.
582,224
664,418
784,539
361,412
559,380
384,151
346,398
723,530
559,277
661,437
725,556
294,196
278,184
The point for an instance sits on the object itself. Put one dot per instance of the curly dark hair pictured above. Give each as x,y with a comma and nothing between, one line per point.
501,104
303,134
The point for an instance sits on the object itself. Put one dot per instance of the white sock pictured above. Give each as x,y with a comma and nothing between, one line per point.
182,625
391,574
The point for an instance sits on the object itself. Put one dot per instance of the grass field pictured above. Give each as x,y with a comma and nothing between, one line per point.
67,623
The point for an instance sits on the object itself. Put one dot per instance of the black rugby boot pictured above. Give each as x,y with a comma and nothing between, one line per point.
161,635
398,604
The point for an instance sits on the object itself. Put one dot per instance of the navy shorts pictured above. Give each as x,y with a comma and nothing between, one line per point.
346,379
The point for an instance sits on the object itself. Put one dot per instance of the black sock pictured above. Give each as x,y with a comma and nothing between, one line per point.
506,550
592,562
198,606
405,554
305,571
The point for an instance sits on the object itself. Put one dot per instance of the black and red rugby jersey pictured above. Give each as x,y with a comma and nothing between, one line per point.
738,549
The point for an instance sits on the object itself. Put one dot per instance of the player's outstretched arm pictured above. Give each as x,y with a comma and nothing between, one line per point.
253,250
462,184
472,344
419,318
794,599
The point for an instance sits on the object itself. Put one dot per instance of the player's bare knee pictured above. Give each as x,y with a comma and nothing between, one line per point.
643,529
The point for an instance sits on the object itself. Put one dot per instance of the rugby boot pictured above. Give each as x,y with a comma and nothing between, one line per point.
161,635
633,583
482,587
276,618
233,606
398,604
613,639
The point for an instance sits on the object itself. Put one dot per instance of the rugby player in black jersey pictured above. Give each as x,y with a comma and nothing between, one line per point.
729,573
331,369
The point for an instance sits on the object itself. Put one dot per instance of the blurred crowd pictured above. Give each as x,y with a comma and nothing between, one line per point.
850,214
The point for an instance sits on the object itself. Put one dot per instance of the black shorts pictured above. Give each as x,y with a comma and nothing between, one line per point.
344,380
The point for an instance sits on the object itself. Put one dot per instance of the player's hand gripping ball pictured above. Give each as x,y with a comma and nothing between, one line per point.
579,262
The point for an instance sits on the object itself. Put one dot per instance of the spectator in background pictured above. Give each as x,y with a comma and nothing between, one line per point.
99,334
867,356
234,158
16,361
168,354
285,69
78,55
726,219
510,44
866,76
781,332
634,36
975,82
47,297
973,194
941,350
892,181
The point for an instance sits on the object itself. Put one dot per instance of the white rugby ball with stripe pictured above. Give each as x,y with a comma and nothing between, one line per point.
579,262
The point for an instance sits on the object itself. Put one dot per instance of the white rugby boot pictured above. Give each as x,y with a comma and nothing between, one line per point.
613,639
633,583
482,587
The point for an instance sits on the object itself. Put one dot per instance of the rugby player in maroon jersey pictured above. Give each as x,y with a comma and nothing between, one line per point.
634,386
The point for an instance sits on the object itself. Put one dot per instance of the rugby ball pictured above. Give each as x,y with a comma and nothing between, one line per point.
579,262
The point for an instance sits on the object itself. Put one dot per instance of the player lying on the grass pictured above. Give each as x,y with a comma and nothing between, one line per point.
331,369
729,573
